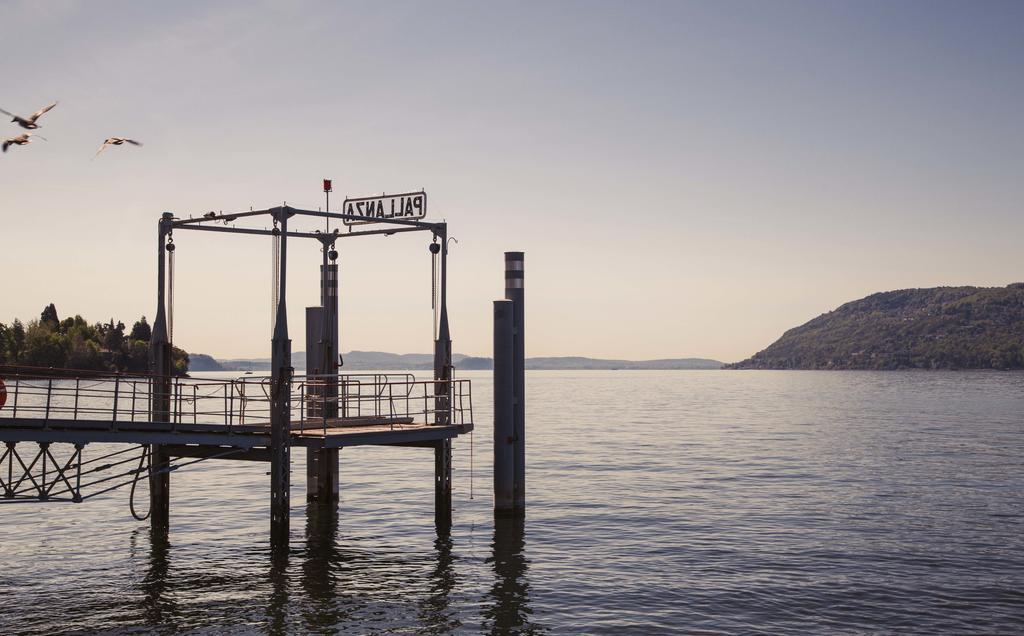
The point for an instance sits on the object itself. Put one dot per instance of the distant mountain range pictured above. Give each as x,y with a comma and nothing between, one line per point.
377,360
937,328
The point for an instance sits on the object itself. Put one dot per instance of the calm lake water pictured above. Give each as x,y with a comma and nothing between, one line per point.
703,502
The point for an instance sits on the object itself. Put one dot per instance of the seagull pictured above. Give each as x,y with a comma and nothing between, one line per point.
20,140
29,123
116,141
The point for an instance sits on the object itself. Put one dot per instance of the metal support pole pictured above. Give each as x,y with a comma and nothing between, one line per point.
442,404
514,292
322,484
77,496
443,344
160,405
443,487
329,300
280,413
329,334
504,403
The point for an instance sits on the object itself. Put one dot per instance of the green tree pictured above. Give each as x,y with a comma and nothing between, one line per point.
44,347
16,344
141,331
78,325
137,357
113,336
49,316
75,344
84,354
179,361
5,337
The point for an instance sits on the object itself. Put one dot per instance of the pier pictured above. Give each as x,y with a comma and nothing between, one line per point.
164,423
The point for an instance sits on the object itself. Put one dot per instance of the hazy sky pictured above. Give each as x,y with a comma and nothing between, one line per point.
686,179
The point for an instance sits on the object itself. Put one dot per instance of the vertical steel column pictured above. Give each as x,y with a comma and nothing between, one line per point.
443,486
314,331
443,344
280,406
329,301
442,405
327,464
329,328
314,392
504,403
321,464
160,404
514,292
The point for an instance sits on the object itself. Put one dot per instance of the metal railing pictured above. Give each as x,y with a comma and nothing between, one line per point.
389,399
236,404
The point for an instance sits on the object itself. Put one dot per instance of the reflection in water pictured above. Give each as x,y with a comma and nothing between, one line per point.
326,586
320,568
158,607
507,604
277,606
435,613
869,500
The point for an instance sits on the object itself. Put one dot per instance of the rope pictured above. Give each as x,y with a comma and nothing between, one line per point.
143,460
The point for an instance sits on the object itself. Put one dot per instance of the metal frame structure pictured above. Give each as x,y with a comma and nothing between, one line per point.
282,371
167,418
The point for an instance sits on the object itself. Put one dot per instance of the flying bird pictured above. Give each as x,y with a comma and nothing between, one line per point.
29,123
116,141
20,140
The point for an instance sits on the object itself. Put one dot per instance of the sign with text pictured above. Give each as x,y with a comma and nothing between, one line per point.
409,206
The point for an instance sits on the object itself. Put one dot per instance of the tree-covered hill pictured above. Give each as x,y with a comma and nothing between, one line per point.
939,328
73,343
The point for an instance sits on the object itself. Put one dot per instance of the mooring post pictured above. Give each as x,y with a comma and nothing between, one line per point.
514,292
316,401
280,402
161,365
504,403
442,405
322,482
327,464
